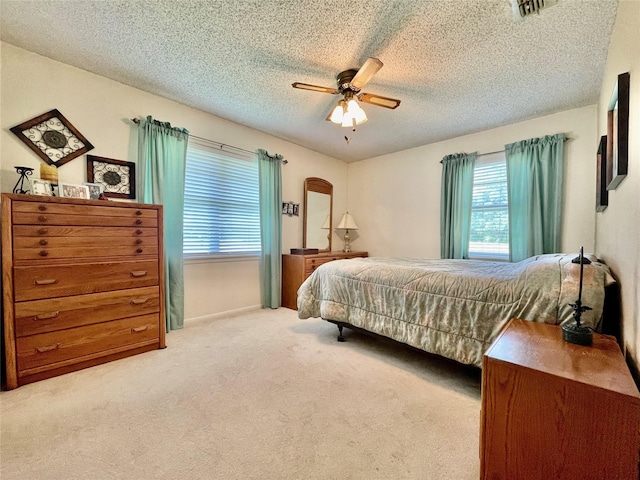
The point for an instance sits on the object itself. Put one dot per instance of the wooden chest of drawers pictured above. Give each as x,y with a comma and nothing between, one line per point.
82,284
296,269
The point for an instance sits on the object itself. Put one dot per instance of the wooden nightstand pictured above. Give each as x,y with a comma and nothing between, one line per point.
296,269
555,410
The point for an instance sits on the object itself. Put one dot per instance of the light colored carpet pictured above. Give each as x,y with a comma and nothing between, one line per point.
258,396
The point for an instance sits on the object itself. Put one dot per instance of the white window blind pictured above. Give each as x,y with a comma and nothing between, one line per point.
221,204
490,211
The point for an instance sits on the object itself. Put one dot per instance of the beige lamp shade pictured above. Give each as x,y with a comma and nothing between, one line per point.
347,222
326,225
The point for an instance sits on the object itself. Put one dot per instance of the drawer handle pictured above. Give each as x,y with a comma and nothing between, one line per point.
138,212
48,348
43,231
43,242
46,316
42,218
42,208
138,232
139,329
138,250
43,253
138,241
48,281
138,222
139,301
138,273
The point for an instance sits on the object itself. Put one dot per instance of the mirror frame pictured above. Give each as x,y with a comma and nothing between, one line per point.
318,185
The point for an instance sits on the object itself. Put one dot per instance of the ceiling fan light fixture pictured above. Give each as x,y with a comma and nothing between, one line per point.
338,113
348,112
348,120
355,112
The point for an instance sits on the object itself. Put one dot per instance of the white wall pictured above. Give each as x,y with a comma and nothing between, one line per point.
618,227
395,199
101,110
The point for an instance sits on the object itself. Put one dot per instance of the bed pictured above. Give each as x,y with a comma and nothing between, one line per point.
453,308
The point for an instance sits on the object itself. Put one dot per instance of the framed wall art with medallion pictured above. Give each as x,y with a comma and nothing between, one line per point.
53,138
116,176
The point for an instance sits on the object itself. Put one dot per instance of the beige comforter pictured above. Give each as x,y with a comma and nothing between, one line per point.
453,308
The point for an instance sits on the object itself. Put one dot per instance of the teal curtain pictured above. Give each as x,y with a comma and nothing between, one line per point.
162,152
455,204
270,182
534,177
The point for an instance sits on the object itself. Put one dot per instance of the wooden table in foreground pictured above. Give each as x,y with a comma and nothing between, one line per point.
555,410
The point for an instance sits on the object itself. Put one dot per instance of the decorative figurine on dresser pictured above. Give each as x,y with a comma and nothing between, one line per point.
82,284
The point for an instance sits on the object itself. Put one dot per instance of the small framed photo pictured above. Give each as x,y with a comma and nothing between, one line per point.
41,187
69,190
95,190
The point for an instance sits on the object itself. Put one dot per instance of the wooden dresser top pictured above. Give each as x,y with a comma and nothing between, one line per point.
539,346
330,254
76,201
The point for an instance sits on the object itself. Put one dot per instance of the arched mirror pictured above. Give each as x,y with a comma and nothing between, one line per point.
318,217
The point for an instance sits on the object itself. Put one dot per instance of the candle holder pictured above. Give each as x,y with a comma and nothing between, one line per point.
24,173
577,333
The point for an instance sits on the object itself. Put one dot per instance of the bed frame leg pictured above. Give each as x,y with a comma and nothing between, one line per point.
340,337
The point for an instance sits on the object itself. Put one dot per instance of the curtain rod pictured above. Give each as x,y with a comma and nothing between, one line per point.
220,145
488,153
491,153
567,139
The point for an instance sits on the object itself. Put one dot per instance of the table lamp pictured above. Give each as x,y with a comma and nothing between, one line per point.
347,223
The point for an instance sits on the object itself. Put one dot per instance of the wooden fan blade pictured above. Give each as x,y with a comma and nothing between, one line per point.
315,88
366,72
378,100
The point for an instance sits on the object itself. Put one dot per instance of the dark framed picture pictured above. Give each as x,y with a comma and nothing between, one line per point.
53,138
602,194
290,208
618,133
117,177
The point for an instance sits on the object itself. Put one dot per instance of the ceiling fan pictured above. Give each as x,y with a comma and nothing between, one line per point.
347,111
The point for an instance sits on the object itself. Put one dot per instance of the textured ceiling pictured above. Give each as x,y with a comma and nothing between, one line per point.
459,66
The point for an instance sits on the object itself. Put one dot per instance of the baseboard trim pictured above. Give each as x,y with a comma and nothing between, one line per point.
228,313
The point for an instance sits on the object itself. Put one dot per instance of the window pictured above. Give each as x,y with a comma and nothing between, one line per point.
489,236
221,204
